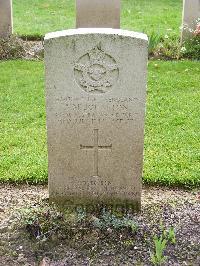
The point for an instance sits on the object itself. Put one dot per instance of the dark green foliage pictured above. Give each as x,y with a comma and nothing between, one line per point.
191,48
154,40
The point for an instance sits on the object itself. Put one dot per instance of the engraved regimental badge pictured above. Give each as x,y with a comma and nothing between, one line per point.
96,71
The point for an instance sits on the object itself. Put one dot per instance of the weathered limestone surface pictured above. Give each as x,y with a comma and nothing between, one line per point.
95,98
98,14
5,18
191,13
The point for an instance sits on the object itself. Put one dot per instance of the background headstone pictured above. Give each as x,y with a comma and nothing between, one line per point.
5,18
98,14
191,13
96,90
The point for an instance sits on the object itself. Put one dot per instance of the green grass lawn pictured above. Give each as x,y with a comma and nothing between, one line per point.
23,154
172,146
35,18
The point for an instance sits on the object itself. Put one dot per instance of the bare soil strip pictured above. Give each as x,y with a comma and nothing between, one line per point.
161,208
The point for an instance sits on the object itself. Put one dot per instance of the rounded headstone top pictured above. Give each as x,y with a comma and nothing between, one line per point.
106,31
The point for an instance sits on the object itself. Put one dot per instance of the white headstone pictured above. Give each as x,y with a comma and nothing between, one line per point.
5,18
95,97
98,14
191,14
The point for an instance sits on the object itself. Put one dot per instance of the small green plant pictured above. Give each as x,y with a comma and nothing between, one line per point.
81,214
108,220
154,40
171,235
157,258
131,224
161,242
168,234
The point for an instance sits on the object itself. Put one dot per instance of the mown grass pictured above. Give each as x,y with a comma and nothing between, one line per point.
35,18
23,153
172,146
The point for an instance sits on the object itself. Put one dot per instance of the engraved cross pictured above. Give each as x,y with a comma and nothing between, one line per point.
96,147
